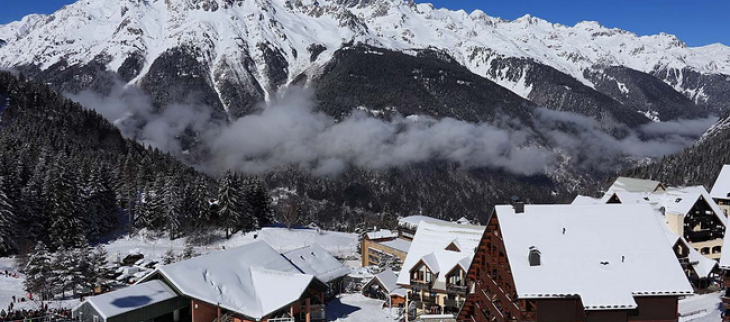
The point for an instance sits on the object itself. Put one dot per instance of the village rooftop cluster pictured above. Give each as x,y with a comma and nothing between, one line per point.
630,255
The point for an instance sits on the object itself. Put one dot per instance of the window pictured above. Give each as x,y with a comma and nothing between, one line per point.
705,250
96,318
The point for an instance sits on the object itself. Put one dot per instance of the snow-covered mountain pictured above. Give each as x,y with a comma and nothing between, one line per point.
238,52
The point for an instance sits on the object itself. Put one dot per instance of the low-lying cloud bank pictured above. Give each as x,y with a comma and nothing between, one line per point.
290,132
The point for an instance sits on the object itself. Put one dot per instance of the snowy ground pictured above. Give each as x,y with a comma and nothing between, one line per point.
358,308
700,308
12,286
281,239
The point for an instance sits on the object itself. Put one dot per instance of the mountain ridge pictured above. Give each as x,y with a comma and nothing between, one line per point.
266,44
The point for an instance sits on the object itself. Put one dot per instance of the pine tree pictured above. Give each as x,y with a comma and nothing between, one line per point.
188,252
101,202
229,203
39,272
98,268
172,199
200,200
62,198
260,201
154,205
8,222
169,257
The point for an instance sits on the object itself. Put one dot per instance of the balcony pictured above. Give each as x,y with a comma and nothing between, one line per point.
456,289
420,286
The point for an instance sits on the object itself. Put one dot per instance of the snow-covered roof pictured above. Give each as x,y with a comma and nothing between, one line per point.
413,221
399,292
381,234
585,200
399,244
636,185
668,200
131,298
721,188
314,260
429,246
388,280
253,280
674,200
606,254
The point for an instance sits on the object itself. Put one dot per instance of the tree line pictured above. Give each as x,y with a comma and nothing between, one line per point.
68,177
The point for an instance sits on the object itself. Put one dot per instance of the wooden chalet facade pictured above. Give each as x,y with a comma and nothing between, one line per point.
493,293
434,272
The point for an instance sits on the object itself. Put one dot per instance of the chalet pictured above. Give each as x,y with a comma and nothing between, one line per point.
384,287
574,263
434,271
689,212
315,260
721,190
248,283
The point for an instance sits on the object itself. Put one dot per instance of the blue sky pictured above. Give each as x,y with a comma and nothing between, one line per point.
697,22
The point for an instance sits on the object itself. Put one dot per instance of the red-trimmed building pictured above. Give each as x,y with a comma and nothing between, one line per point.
574,263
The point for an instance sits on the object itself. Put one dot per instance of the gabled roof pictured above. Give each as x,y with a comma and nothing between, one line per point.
721,188
429,246
703,266
607,255
674,200
130,298
636,185
314,260
388,280
252,280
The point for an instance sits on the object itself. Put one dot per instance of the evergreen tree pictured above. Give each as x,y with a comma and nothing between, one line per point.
101,202
200,200
188,252
8,222
98,268
229,203
39,272
172,199
154,205
62,198
260,201
169,257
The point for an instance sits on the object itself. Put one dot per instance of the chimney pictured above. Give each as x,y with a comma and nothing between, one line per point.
534,256
517,205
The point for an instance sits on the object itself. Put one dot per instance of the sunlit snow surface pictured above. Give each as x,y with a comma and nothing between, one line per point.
117,28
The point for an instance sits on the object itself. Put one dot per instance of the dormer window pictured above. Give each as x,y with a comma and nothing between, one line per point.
453,247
